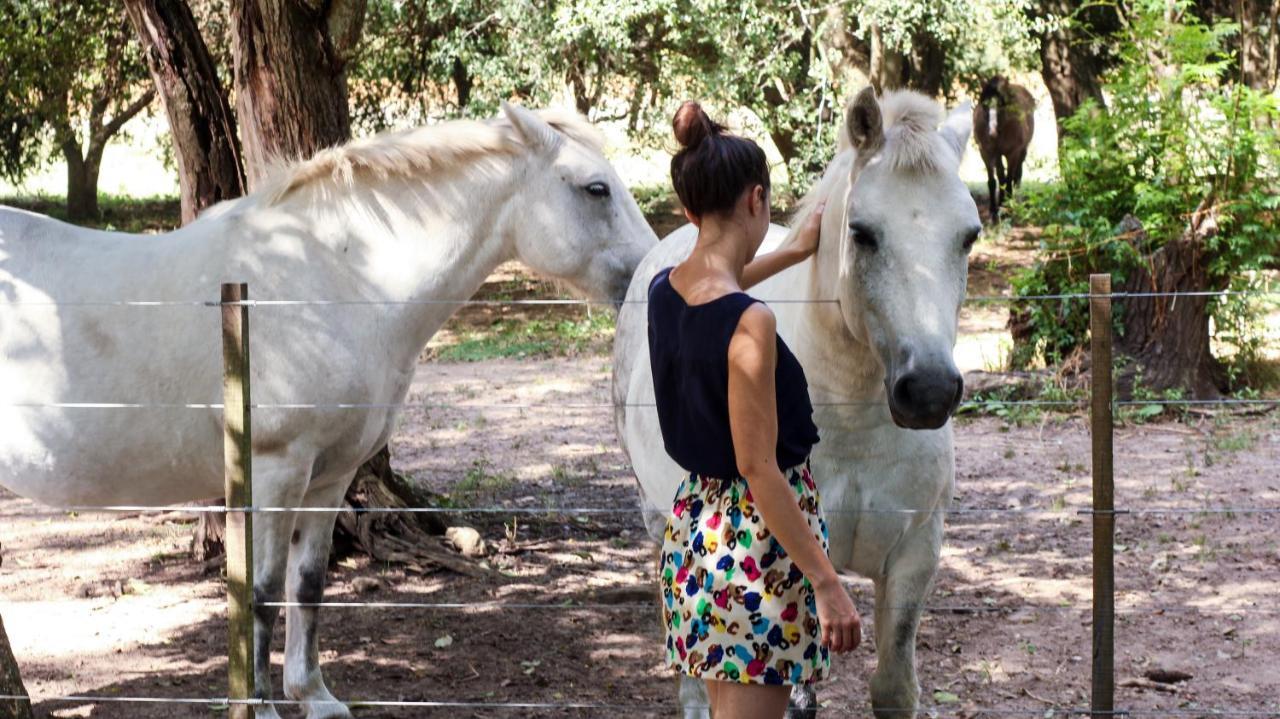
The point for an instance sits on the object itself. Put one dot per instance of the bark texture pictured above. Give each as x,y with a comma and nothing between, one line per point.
201,123
290,75
1169,336
11,681
1073,55
1255,45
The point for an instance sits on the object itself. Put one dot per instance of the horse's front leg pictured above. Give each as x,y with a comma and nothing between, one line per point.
900,598
993,189
276,484
308,564
694,702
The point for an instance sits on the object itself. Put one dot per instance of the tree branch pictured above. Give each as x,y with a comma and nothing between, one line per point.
118,121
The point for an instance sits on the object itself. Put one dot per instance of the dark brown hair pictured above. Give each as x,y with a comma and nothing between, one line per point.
713,167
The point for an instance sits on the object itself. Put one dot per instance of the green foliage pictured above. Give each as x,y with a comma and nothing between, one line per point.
66,67
786,63
1180,136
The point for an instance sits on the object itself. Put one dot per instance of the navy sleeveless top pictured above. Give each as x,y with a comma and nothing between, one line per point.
689,352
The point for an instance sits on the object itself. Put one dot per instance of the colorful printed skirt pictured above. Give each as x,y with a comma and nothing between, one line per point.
735,607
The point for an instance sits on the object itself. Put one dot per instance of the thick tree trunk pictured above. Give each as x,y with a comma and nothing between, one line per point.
1255,45
11,680
1169,336
82,182
201,124
927,62
1071,56
290,75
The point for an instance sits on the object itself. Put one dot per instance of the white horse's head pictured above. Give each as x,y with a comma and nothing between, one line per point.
574,218
909,223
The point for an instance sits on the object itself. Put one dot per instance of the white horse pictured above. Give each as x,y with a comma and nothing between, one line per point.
387,225
875,333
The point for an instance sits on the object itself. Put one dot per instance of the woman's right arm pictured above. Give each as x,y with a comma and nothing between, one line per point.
753,421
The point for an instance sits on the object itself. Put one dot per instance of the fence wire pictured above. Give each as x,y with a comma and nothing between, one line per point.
937,710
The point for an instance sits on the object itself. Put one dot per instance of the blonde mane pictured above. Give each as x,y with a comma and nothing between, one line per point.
414,152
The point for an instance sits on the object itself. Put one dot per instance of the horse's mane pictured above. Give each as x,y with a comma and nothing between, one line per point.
911,134
418,151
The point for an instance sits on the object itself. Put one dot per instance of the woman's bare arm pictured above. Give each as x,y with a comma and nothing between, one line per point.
753,421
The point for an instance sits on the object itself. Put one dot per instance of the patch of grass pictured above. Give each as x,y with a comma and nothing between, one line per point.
507,338
119,213
481,480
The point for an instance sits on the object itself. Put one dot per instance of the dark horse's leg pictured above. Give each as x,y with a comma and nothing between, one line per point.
1015,170
993,190
1003,178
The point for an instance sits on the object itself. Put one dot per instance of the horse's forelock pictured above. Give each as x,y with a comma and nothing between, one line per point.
912,141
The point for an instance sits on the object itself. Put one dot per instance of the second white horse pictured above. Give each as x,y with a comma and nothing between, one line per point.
873,319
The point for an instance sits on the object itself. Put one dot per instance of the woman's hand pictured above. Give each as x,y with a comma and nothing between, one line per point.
838,618
799,247
805,241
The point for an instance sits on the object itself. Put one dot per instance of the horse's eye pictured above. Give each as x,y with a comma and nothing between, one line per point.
597,189
862,236
971,238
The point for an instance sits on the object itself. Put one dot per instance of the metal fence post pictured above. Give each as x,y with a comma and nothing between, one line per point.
238,482
1102,701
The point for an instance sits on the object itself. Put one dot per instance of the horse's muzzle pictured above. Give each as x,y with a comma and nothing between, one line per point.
924,398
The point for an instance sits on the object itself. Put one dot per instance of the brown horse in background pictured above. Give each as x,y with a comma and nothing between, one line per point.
1003,123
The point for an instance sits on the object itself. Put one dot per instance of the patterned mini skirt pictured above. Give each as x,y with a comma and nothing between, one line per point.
735,607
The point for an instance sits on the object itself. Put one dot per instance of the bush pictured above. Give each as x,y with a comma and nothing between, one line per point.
1180,137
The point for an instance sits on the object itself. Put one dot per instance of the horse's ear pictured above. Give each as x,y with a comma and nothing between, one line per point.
533,130
957,128
864,122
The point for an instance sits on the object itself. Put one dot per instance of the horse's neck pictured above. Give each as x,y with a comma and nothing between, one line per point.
418,245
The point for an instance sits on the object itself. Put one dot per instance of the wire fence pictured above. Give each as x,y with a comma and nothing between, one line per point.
1107,514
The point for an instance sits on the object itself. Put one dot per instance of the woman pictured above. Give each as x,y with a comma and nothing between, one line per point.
751,602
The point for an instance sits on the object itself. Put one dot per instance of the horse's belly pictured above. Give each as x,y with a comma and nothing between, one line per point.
96,456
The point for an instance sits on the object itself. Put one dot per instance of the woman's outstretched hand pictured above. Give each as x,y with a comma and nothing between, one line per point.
805,241
799,247
838,618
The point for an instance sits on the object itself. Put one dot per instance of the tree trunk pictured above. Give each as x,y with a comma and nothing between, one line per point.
1169,336
11,680
1071,59
927,62
290,75
82,182
1255,44
201,124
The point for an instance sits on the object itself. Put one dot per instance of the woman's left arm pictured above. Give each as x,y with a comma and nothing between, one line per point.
802,244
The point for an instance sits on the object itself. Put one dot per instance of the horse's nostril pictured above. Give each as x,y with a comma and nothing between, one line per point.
902,391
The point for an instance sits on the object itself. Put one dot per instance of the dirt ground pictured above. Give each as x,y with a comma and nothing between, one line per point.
108,605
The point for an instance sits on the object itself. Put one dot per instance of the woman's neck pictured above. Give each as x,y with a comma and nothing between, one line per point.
715,265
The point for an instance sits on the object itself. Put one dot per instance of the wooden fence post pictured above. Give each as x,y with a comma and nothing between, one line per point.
238,481
1102,701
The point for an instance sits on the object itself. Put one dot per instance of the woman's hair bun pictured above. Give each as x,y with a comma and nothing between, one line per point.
692,125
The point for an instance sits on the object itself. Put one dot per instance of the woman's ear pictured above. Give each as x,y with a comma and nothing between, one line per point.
692,218
759,199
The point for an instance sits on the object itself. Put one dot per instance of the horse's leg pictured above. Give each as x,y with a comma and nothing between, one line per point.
1003,178
804,702
900,597
277,484
993,198
308,564
693,698
1015,170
